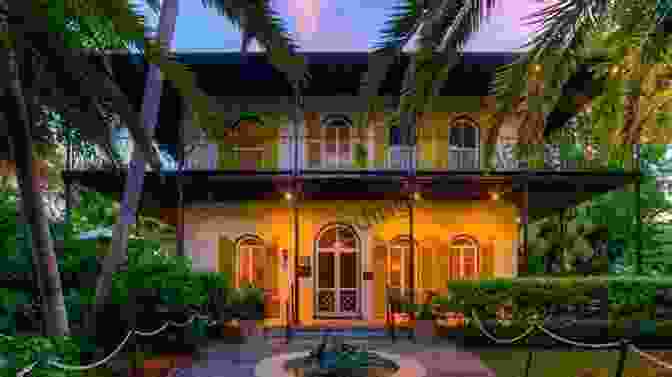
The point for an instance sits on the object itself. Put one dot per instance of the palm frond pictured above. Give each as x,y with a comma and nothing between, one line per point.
398,30
154,6
89,81
264,24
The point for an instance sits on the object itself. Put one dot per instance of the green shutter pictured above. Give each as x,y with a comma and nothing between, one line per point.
487,261
227,158
274,154
226,254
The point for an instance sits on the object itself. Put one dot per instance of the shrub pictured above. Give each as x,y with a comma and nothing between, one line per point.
626,294
23,351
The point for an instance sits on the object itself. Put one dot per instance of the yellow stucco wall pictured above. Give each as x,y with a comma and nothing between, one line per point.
273,222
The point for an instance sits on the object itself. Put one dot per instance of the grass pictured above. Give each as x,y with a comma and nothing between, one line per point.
552,363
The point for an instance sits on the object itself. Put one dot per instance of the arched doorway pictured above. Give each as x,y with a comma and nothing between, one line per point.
338,271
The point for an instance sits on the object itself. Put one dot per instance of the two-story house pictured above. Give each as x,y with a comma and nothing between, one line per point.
329,216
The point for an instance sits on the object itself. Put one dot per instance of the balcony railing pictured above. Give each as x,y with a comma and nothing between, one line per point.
363,154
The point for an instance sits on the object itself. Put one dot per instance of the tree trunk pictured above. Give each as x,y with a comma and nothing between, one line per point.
136,169
16,112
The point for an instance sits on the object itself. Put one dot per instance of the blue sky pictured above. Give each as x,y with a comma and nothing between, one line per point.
343,25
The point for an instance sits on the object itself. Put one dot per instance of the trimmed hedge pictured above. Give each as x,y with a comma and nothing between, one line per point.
624,296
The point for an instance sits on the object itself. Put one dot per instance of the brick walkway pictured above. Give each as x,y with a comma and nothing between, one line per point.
240,360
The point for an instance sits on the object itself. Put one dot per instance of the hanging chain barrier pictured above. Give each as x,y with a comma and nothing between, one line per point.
624,344
52,362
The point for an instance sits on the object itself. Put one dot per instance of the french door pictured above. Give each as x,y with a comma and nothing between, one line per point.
338,274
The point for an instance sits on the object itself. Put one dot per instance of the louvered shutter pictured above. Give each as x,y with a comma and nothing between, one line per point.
443,265
426,265
379,278
487,255
381,139
272,308
226,258
454,263
313,140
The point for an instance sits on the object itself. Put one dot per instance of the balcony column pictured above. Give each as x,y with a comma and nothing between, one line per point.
180,190
297,110
638,212
524,218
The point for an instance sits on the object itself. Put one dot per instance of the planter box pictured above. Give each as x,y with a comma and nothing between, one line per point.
162,365
251,330
425,330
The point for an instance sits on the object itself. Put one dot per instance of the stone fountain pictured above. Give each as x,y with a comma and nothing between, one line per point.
335,358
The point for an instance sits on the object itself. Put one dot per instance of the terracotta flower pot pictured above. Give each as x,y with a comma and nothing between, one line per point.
232,330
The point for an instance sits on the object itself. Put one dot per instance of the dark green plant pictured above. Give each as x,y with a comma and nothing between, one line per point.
21,352
248,302
361,155
425,312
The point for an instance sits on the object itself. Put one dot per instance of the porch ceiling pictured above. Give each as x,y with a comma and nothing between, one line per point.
548,191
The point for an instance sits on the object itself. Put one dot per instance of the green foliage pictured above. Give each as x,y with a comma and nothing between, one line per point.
360,155
8,224
94,211
23,351
149,268
248,301
530,296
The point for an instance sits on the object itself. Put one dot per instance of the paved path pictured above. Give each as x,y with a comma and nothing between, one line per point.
239,360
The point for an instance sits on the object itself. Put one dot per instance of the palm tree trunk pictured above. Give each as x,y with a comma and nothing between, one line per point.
16,112
136,169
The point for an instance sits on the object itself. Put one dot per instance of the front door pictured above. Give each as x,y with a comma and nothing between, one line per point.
338,273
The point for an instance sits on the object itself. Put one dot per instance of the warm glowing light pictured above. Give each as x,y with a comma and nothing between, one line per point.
288,196
494,195
417,196
536,68
614,70
518,220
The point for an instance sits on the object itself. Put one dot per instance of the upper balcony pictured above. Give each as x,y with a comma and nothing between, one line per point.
364,154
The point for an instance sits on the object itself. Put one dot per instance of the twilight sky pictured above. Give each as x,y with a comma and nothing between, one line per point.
340,25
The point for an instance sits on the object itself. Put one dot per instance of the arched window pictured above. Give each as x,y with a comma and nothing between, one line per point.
464,258
248,132
251,263
463,144
337,271
329,142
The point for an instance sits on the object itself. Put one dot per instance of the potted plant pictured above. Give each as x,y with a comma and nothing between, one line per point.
424,324
361,156
251,310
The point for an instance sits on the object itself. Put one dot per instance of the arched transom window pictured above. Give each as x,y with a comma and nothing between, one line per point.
463,144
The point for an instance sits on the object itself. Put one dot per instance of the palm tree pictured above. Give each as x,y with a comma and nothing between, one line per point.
16,111
634,43
632,47
74,68
443,27
258,21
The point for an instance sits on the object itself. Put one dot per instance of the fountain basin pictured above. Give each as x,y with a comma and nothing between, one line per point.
276,366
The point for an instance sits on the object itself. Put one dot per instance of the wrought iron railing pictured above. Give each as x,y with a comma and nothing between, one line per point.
359,154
